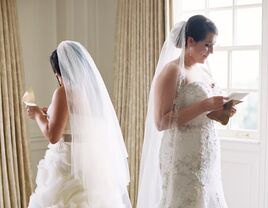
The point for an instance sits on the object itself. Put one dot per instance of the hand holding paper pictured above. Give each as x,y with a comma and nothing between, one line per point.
29,98
236,97
223,116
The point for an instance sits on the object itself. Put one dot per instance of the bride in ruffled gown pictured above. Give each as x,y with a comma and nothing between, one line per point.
86,161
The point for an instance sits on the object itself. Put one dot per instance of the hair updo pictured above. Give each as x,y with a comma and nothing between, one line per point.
197,27
54,62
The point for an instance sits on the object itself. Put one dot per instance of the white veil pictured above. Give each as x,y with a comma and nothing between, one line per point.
150,183
99,156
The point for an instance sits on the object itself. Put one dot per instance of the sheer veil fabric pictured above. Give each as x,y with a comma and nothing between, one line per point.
150,183
99,156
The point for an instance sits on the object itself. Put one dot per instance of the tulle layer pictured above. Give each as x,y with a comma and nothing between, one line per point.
56,187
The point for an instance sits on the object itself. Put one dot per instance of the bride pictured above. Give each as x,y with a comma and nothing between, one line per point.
180,166
86,161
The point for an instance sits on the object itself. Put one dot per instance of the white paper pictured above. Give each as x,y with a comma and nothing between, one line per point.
237,96
29,98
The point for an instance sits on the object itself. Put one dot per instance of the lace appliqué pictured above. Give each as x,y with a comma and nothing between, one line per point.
190,157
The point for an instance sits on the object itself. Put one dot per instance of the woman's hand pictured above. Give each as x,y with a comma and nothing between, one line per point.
214,103
44,110
232,111
32,111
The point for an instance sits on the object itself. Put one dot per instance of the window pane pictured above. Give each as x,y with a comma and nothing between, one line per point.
249,23
218,62
246,116
223,20
179,14
176,11
244,2
245,69
192,4
185,16
220,3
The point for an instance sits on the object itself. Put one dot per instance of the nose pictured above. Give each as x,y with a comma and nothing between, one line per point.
211,49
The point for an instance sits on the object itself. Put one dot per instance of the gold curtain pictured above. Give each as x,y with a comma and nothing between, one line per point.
139,38
15,178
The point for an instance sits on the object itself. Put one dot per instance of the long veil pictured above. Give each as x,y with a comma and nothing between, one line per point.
150,183
99,156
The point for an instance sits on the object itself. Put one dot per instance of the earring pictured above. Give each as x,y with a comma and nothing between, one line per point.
190,51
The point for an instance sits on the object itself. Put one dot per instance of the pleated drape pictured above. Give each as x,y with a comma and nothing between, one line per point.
139,38
15,178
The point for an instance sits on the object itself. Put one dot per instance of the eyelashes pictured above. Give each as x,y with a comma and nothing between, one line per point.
209,45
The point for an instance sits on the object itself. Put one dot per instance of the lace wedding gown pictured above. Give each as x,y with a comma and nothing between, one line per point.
190,156
56,186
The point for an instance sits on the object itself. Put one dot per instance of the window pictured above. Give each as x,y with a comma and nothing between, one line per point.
236,61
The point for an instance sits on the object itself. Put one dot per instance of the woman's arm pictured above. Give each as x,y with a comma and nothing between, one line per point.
165,92
188,113
53,127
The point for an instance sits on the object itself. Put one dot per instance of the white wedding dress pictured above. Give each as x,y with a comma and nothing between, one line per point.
190,156
56,186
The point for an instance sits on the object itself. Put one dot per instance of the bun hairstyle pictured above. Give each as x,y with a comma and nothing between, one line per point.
197,27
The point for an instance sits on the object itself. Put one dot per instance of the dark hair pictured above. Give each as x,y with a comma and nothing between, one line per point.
55,62
198,26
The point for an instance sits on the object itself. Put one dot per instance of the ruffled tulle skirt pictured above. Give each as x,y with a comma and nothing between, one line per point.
56,187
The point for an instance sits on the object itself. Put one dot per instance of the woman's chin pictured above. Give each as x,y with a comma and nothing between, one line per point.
202,61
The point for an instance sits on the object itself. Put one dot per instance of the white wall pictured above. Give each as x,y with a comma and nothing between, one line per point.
241,172
43,24
93,23
38,38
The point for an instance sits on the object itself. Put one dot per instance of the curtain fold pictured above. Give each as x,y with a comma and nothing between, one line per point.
15,177
139,38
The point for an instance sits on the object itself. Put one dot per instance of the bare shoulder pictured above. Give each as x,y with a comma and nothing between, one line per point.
59,94
171,71
60,91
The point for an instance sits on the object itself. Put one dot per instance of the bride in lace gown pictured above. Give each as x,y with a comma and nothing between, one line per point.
86,161
181,165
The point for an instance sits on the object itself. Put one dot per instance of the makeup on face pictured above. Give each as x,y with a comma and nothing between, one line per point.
205,47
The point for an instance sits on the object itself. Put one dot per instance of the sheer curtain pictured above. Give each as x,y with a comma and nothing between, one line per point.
140,35
15,178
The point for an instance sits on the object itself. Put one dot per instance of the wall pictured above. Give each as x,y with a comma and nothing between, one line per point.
93,23
38,38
